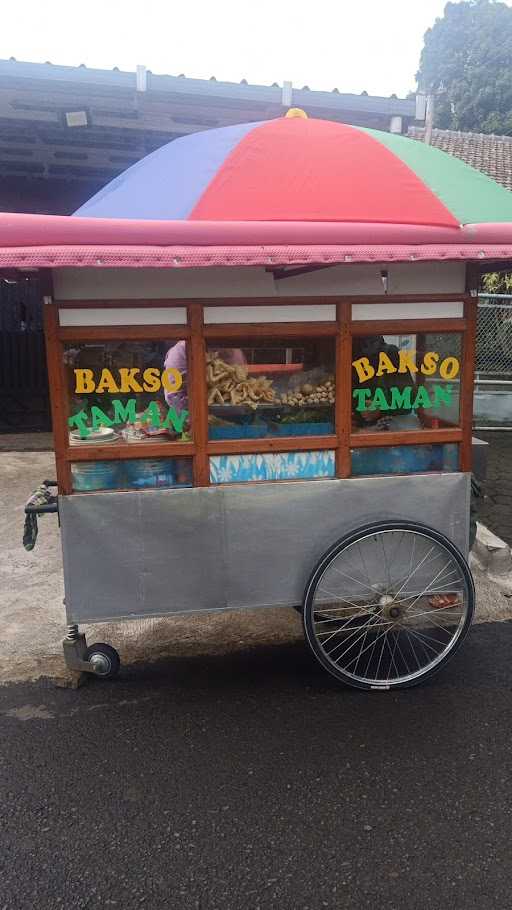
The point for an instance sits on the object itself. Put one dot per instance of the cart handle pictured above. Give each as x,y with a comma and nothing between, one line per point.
42,510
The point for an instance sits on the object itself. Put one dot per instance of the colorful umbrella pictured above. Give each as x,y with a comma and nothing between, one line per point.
299,169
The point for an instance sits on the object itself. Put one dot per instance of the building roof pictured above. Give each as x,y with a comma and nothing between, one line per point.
492,155
70,125
185,87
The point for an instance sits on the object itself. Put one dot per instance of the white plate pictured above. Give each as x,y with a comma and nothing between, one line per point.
102,435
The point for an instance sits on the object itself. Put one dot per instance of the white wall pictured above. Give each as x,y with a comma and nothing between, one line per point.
404,278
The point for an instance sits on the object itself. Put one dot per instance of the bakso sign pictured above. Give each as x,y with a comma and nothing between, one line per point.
391,397
128,380
121,412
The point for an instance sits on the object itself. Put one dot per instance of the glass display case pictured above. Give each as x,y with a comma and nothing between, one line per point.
277,398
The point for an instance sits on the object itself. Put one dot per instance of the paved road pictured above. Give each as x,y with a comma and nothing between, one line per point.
252,782
495,509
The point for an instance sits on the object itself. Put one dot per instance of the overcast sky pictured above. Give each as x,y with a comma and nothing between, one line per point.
371,45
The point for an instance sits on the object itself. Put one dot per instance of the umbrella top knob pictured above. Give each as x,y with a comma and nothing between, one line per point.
296,112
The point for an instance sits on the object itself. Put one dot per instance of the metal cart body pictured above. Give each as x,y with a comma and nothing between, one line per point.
155,553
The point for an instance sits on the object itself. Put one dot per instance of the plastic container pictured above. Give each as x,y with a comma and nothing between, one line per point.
302,429
413,459
144,473
242,431
96,475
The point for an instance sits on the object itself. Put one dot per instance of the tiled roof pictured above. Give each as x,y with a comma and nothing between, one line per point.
487,153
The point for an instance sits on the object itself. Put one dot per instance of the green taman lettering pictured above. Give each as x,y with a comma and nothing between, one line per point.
379,402
442,395
125,413
99,418
400,398
79,420
422,399
152,415
361,395
175,420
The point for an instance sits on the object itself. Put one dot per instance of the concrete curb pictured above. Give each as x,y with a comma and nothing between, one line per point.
493,557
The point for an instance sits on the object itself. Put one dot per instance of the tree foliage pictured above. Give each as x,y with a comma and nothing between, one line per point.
467,62
497,283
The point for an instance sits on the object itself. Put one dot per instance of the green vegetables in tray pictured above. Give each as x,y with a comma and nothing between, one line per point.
303,416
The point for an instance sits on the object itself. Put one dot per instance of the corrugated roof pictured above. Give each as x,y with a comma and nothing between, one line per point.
486,152
240,91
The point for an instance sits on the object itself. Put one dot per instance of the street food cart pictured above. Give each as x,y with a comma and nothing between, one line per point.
260,347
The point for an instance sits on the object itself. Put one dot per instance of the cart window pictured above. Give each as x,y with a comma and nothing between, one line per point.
414,459
131,474
270,387
406,382
127,391
279,466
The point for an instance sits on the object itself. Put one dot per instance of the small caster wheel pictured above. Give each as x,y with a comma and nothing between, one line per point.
104,659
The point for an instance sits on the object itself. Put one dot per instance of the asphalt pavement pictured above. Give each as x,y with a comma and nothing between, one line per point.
251,781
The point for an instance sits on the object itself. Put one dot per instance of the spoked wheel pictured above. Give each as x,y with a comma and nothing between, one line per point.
388,605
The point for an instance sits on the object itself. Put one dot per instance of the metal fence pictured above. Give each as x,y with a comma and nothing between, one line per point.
493,380
494,335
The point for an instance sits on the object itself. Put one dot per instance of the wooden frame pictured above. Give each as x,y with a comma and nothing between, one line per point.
343,330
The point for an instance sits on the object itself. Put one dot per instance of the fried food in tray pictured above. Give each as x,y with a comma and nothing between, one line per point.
232,385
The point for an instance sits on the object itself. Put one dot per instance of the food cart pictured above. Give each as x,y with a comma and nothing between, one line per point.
260,347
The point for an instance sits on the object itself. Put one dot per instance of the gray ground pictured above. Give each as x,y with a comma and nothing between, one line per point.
223,769
496,508
32,621
249,782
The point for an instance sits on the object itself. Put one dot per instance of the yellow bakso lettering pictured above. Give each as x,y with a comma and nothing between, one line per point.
151,379
84,382
172,380
363,369
449,368
107,382
407,364
128,381
385,364
429,365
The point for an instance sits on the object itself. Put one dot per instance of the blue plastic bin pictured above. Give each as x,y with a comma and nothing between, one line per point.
241,431
89,477
145,473
302,429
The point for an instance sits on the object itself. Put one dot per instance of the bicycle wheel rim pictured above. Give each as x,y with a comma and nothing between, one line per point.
373,630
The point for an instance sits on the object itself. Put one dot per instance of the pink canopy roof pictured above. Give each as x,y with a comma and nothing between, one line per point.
52,241
281,192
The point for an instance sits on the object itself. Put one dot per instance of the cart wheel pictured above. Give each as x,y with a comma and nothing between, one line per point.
104,659
388,605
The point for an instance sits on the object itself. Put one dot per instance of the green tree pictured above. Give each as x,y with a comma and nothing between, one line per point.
467,62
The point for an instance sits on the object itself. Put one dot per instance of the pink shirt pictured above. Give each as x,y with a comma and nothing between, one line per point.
176,358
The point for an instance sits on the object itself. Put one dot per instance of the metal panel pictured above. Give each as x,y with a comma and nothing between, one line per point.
432,310
130,555
123,316
293,524
215,315
141,554
221,283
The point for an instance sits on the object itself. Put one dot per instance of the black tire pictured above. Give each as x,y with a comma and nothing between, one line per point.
105,658
314,614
